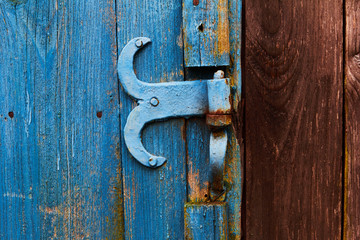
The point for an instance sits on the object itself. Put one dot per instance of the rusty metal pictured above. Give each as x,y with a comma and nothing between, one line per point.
218,118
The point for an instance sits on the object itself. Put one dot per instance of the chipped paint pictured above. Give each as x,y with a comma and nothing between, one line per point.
223,42
206,33
197,188
16,195
206,221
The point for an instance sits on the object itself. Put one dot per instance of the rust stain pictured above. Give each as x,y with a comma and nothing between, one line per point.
117,222
117,151
50,211
183,132
218,120
196,192
231,177
223,40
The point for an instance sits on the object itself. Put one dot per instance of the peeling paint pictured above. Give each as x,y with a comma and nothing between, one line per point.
206,33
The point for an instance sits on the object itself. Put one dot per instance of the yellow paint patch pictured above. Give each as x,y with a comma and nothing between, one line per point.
223,40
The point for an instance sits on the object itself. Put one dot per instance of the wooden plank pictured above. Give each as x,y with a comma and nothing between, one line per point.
154,198
352,113
19,174
206,33
197,138
206,221
197,135
233,170
89,122
293,119
61,147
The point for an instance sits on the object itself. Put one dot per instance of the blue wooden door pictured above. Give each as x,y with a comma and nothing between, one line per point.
65,172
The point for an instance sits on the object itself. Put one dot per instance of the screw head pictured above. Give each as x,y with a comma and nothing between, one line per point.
152,162
154,101
139,43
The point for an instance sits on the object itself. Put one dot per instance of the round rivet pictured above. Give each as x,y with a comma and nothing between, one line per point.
153,162
139,43
154,101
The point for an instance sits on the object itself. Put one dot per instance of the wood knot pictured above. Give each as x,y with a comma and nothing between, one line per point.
356,59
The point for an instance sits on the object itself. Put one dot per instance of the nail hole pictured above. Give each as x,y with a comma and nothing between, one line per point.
99,114
11,114
206,195
201,27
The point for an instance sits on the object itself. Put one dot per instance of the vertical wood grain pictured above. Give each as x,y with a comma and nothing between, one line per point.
206,33
60,155
233,171
88,119
352,124
19,174
154,198
198,139
293,114
206,221
61,145
197,135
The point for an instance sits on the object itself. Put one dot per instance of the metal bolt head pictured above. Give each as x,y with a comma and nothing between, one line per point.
219,74
153,162
139,43
154,101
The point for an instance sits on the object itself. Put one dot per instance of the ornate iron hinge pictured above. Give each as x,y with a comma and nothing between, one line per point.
158,101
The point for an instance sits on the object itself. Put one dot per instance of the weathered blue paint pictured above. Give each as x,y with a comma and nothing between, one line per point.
206,221
61,173
59,120
163,100
154,198
233,173
206,33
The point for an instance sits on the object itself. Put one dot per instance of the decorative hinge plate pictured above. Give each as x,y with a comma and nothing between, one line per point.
158,101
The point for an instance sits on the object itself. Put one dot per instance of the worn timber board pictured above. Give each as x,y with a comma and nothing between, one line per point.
154,198
206,221
352,124
59,144
198,134
159,217
293,119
